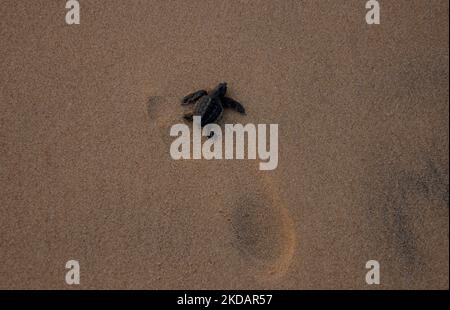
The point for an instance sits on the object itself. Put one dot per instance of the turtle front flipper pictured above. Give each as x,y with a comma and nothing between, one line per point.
233,104
192,98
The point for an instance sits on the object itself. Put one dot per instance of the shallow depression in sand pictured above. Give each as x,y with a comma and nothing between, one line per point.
262,234
257,229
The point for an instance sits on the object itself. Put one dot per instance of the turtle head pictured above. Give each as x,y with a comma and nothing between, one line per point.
220,90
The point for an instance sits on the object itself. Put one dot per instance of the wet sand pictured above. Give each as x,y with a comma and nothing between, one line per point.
86,172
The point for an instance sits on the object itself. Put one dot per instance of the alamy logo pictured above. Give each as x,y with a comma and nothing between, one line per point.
73,15
213,147
373,275
73,275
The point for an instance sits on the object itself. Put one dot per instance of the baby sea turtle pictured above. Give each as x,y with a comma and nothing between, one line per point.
210,106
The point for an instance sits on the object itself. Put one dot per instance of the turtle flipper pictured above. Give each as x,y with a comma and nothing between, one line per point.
189,116
192,98
233,104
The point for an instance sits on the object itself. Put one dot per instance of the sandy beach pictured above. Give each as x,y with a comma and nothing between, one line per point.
86,171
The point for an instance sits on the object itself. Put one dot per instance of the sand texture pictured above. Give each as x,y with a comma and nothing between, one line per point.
86,173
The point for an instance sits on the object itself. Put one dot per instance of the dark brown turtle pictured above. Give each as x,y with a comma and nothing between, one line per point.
210,106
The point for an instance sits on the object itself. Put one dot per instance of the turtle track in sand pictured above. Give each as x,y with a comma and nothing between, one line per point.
162,114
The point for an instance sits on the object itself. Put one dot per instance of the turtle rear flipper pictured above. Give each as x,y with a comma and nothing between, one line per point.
195,96
189,116
233,104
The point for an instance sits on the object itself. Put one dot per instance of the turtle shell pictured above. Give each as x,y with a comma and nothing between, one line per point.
209,108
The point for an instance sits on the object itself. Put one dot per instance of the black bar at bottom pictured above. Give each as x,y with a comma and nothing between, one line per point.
213,299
